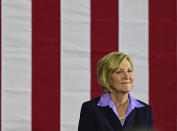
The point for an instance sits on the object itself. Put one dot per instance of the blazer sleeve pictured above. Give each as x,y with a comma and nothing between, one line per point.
151,120
86,121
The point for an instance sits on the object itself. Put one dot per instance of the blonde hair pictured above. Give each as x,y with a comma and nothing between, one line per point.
109,64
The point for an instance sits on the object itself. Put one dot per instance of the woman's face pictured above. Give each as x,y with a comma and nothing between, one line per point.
122,79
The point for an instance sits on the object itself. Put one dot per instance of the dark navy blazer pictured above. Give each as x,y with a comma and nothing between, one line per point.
96,118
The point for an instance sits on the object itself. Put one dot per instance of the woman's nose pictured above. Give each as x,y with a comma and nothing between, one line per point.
125,75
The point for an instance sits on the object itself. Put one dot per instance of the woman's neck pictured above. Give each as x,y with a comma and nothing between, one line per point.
119,98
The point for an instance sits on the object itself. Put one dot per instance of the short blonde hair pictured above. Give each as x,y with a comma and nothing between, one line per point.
109,64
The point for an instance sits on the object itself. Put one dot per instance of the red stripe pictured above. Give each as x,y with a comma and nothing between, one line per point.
45,65
0,66
104,36
162,63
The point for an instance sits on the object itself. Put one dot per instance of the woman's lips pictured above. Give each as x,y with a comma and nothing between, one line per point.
125,82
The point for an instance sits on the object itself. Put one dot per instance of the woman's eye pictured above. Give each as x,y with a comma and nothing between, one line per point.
129,70
119,72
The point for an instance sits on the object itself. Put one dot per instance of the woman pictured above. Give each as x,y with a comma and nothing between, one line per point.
116,109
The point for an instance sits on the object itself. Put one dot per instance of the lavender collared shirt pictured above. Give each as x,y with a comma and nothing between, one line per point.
105,100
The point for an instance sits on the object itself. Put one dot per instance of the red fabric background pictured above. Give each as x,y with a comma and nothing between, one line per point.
162,63
104,36
45,65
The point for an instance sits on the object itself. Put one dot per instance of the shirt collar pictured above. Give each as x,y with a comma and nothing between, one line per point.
105,100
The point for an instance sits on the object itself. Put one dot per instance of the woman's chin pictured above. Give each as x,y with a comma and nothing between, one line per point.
126,89
122,90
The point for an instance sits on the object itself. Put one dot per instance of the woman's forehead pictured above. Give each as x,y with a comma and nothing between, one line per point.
126,64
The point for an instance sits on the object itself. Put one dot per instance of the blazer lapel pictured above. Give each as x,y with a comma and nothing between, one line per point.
110,116
129,122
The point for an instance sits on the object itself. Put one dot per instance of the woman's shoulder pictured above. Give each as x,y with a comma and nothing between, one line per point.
91,103
138,104
145,107
143,103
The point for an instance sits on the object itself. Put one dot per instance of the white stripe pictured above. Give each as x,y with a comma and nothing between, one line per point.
16,65
133,40
75,60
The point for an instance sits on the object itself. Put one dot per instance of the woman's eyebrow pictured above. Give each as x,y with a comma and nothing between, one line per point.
123,69
126,69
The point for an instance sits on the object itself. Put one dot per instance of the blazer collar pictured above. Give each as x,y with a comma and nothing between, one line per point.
105,100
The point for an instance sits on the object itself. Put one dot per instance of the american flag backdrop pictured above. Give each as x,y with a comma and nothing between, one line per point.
50,50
